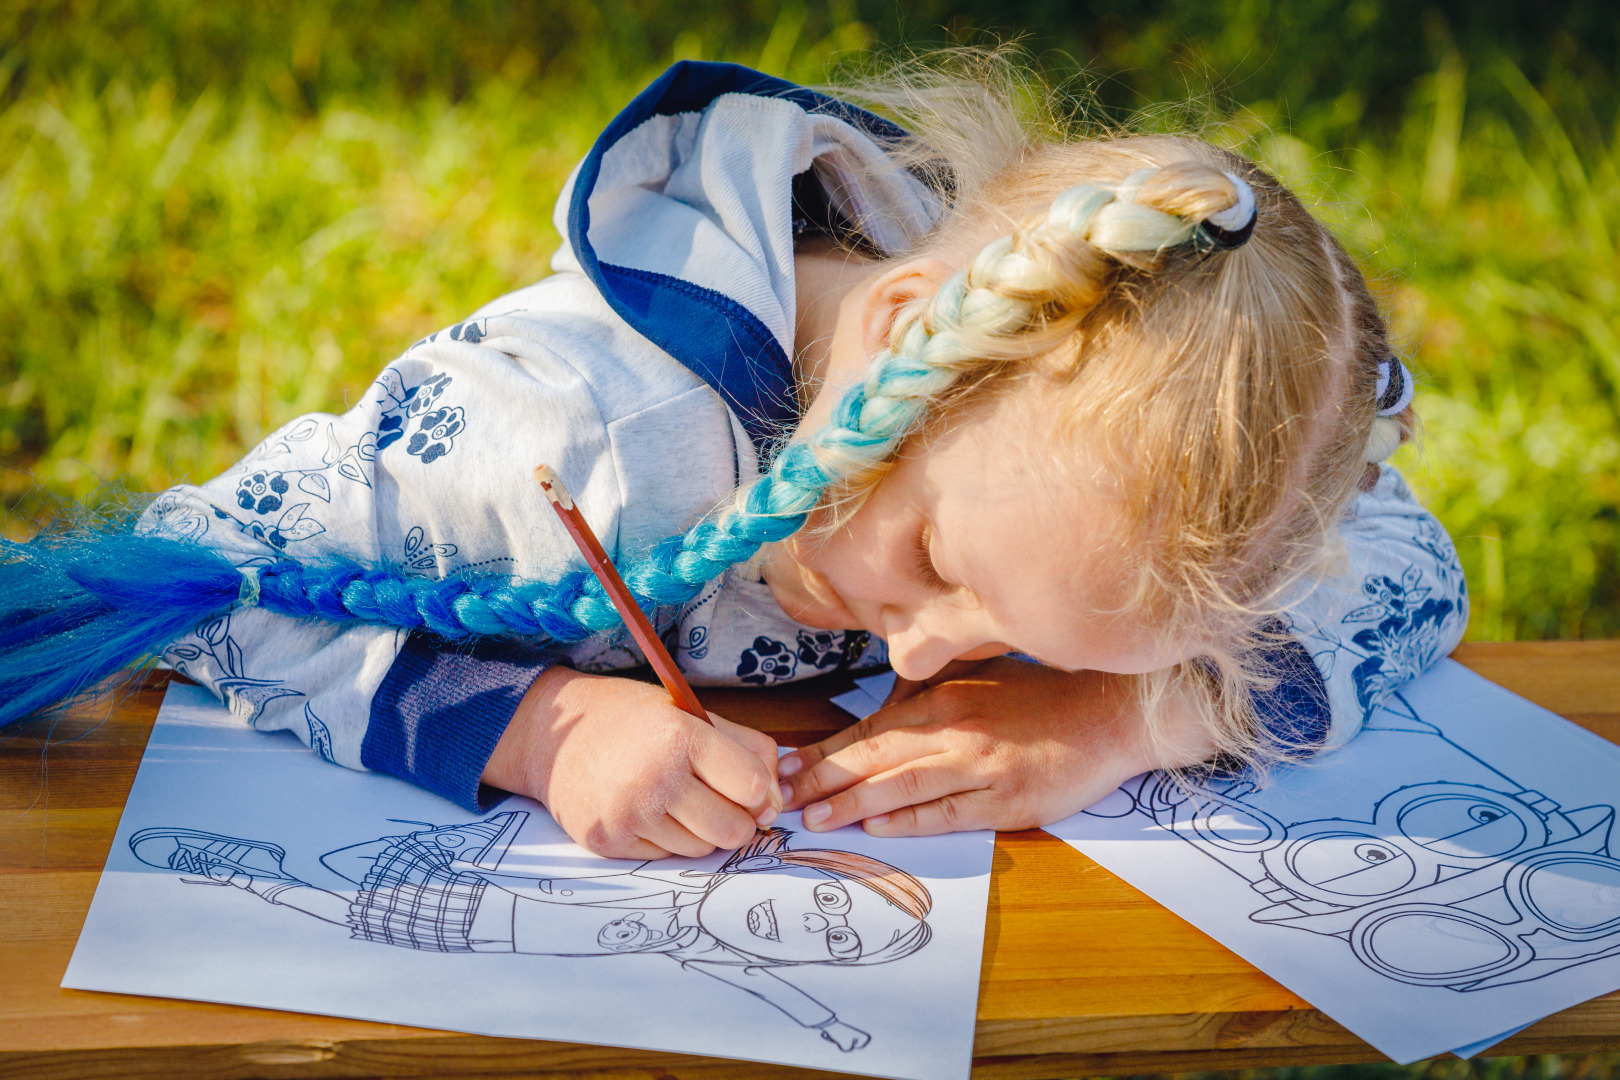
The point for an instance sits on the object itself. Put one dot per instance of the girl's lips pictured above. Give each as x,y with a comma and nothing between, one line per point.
762,921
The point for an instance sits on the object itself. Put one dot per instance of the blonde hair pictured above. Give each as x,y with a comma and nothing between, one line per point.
1230,392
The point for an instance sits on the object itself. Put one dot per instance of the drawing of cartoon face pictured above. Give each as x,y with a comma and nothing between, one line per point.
1418,836
627,934
1469,882
797,915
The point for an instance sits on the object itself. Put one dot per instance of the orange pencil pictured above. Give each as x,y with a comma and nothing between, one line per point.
634,618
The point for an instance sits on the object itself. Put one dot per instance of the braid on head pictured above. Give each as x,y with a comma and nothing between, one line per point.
1018,293
1022,294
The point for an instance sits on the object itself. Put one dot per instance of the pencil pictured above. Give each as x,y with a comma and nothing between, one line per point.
634,618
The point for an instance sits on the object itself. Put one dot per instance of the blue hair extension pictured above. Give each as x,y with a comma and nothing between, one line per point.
76,610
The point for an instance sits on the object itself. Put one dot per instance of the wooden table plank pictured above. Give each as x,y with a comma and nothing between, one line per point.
1083,975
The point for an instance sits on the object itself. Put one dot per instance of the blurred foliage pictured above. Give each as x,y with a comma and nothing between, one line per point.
214,217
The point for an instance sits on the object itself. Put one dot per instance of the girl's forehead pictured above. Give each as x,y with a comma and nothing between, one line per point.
1021,519
1009,466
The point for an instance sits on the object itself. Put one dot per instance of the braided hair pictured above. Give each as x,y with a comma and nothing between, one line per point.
76,610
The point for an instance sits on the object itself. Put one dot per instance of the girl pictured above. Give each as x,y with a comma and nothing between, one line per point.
1117,406
442,890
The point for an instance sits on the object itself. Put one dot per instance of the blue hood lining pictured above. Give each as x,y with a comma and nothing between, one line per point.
720,340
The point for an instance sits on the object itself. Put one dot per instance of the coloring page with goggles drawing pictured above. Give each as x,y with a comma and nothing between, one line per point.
248,870
1446,877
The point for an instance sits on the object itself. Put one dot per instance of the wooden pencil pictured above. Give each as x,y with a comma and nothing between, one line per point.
640,627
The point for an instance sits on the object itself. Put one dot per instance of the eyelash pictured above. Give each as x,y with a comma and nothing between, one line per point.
925,565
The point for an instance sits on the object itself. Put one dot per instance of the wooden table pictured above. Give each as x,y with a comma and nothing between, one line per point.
1083,975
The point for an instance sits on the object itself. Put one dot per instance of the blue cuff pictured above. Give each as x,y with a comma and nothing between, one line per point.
1295,712
442,708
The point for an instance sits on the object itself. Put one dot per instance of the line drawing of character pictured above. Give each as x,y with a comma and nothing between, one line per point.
1463,878
441,889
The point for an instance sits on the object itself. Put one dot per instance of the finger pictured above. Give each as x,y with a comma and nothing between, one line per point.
794,767
882,747
796,762
712,819
674,838
763,747
911,783
733,771
960,811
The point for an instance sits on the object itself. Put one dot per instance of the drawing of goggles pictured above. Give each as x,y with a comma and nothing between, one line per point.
1418,836
1455,885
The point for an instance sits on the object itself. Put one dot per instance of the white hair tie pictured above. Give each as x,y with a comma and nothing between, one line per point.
1232,227
247,594
1394,387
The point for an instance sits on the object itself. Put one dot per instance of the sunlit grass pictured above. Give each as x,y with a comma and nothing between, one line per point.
1493,245
179,275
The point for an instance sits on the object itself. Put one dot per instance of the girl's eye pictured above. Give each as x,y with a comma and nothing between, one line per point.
832,899
925,565
843,943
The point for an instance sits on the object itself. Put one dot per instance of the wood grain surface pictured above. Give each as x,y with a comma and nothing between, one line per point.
1082,975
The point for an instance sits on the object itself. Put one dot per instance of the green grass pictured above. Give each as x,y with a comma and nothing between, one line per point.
189,257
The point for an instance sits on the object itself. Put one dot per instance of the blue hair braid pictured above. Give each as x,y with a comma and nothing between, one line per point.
77,609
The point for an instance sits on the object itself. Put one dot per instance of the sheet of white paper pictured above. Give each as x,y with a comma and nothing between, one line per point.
1444,878
868,695
1466,1052
858,702
878,686
554,943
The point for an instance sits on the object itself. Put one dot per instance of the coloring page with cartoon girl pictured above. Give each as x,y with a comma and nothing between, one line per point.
246,872
1449,876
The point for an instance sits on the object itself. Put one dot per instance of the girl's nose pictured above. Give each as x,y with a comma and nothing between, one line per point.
814,923
917,652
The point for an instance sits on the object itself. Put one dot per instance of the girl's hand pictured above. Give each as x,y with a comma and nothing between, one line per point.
630,776
998,744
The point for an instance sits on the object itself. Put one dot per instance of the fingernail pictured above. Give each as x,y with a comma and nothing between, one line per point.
789,765
815,815
877,820
787,793
766,816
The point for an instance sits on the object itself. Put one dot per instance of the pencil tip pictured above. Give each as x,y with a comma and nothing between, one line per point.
553,486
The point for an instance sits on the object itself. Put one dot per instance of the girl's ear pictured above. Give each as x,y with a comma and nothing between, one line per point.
890,292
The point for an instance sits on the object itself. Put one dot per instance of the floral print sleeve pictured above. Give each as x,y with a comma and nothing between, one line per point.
1399,608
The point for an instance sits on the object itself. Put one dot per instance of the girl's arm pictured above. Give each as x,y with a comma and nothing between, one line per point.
1399,607
410,478
1007,745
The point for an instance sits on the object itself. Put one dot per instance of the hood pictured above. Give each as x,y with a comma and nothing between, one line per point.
682,216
